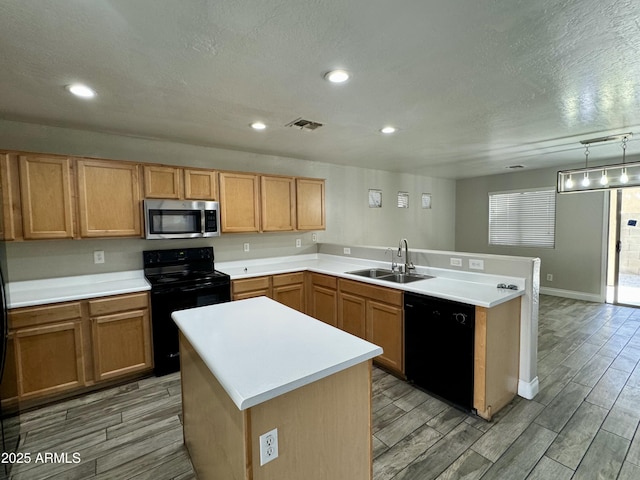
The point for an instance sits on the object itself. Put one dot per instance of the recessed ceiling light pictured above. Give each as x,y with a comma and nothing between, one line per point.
337,76
258,126
80,90
388,129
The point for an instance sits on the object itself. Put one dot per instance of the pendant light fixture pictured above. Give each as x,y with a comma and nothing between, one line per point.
616,176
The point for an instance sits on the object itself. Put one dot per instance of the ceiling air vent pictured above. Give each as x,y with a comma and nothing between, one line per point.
303,124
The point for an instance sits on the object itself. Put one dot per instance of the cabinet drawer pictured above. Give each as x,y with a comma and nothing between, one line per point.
249,284
31,316
104,306
381,294
288,279
324,280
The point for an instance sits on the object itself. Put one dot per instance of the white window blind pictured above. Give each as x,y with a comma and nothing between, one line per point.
523,218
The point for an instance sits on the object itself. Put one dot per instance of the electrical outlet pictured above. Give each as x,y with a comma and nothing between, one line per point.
298,243
456,262
98,256
476,264
347,251
549,277
314,237
246,247
269,446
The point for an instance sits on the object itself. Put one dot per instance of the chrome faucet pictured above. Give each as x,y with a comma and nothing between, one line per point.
408,264
394,265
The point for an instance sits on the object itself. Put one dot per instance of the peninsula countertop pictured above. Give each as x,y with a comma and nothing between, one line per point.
477,289
259,349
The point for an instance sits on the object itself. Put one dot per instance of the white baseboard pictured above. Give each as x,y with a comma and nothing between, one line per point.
557,292
528,390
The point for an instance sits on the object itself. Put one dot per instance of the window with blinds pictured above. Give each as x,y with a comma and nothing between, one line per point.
524,218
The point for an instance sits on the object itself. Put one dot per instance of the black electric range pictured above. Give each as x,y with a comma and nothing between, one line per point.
180,279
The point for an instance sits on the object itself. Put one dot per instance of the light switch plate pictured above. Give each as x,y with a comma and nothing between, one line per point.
456,262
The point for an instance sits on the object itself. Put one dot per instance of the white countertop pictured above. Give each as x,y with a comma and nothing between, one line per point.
466,287
65,289
472,288
259,349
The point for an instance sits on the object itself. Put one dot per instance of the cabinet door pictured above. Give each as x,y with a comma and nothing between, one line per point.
200,185
11,223
162,182
239,202
352,313
278,202
324,304
45,188
121,344
109,199
251,287
290,295
385,328
49,359
310,204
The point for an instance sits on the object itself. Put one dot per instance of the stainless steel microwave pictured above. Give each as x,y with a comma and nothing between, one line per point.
181,219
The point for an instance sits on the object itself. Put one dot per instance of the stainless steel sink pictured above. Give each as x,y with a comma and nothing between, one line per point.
389,276
372,272
405,277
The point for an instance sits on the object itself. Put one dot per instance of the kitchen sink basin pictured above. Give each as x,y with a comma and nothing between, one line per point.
404,277
372,272
389,276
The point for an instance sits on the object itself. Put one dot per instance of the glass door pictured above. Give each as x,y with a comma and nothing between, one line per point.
623,274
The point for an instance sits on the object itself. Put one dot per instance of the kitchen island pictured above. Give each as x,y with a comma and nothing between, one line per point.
251,366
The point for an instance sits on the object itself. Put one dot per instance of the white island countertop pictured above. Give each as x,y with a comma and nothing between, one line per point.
259,349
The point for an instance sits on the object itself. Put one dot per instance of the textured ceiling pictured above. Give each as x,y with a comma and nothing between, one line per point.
472,86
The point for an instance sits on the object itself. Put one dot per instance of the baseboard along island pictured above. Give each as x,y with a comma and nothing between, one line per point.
270,393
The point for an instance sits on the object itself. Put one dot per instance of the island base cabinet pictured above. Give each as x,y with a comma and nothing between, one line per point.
324,428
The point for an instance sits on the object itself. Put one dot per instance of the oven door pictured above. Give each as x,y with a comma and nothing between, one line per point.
165,301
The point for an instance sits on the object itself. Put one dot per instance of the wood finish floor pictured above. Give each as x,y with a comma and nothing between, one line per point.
582,425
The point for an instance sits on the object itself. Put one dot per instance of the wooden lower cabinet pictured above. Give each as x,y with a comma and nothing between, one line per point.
496,357
59,349
121,339
352,314
322,301
251,287
375,314
286,288
49,359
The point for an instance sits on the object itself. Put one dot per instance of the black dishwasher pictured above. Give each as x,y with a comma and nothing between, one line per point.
439,338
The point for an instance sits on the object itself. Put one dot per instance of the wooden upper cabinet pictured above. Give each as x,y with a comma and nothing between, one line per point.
310,204
11,222
200,185
162,182
239,202
46,197
278,202
109,198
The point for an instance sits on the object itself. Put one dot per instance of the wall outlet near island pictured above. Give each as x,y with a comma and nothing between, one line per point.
314,237
456,262
346,251
549,277
246,247
268,446
298,242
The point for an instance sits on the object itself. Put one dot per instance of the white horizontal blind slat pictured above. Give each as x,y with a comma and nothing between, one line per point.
523,218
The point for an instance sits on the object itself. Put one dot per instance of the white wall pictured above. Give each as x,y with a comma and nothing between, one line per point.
349,220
